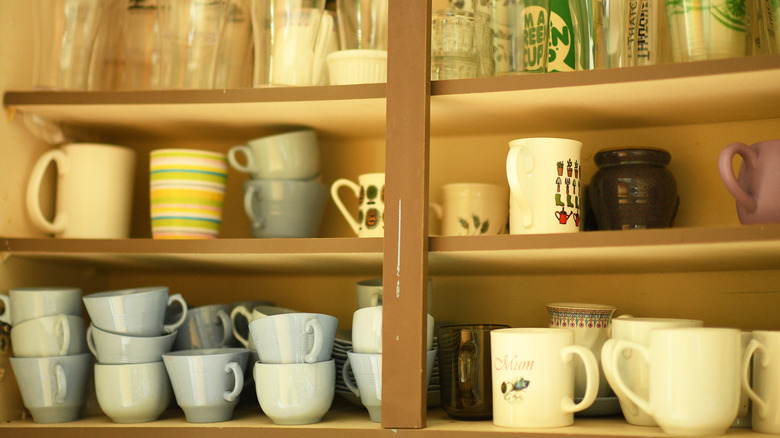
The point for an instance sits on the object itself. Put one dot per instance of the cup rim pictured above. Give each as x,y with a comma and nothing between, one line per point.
45,289
164,336
579,306
324,363
128,291
205,352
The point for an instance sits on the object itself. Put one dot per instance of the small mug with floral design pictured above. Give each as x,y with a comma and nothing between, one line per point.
370,193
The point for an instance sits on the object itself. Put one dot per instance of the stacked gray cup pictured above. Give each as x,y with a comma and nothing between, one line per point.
128,336
50,360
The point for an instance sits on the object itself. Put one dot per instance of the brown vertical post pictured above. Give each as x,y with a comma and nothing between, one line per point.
406,214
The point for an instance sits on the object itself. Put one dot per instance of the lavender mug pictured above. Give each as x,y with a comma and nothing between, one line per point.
757,188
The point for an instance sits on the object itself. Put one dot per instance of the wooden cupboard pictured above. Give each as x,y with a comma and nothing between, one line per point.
423,135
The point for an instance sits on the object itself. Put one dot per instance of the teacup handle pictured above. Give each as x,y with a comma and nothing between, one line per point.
6,315
61,382
727,173
334,193
517,193
240,310
250,165
91,341
238,376
170,328
347,380
34,187
63,325
616,347
320,46
227,327
752,347
249,198
591,377
313,326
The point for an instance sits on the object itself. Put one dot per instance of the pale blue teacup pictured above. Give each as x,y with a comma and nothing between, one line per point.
285,207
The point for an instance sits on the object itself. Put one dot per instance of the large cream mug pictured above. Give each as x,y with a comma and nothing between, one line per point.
370,191
94,191
765,391
533,377
544,176
693,378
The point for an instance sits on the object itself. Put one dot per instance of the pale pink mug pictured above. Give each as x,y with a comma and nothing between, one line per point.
757,188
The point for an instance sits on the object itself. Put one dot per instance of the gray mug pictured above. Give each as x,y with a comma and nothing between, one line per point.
205,327
53,388
285,208
207,383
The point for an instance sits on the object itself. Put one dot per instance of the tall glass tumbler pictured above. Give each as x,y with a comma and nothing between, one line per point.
190,32
768,15
465,370
234,65
292,38
708,29
362,24
521,30
64,34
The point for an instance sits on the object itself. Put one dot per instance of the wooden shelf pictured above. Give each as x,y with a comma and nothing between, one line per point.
283,256
647,96
346,422
752,247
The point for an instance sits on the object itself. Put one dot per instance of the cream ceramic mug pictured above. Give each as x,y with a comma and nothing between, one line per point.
533,377
630,366
544,176
688,368
370,192
472,209
764,348
94,191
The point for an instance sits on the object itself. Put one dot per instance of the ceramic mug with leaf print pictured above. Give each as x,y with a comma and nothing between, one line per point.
370,191
472,209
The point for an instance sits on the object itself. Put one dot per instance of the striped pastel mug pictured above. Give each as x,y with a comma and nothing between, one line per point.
187,192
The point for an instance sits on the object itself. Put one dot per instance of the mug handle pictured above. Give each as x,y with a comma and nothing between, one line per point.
63,324
240,310
376,299
91,341
170,328
727,173
6,315
516,192
609,372
61,382
591,377
34,187
324,36
334,193
347,380
752,347
238,376
248,156
313,326
467,371
616,347
227,327
250,212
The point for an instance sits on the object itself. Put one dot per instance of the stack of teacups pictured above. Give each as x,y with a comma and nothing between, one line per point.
284,196
128,335
295,377
50,361
365,359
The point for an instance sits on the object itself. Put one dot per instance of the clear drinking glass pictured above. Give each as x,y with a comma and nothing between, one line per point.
458,40
708,29
64,34
190,32
292,40
234,65
362,24
521,30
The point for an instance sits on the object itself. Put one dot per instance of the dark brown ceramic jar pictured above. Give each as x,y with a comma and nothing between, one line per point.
633,189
